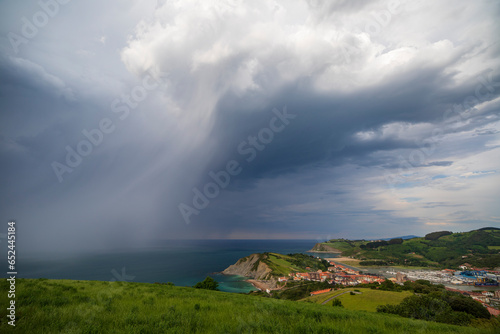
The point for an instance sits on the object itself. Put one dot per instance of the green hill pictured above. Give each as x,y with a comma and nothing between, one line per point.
271,265
64,306
480,248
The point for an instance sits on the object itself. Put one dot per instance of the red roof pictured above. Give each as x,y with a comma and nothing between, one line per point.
320,291
493,312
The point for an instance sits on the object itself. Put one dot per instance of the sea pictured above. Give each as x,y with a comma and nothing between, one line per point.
182,262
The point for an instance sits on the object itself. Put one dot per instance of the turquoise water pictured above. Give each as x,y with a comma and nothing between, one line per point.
181,262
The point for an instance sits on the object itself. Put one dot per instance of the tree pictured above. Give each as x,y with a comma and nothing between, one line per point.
337,302
208,283
396,241
437,235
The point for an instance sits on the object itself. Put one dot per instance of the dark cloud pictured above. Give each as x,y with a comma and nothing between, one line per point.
417,102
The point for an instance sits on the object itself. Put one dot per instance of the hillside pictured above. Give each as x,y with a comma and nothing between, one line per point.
266,266
324,248
64,306
480,248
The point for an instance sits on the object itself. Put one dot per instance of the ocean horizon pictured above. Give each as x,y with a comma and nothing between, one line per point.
182,262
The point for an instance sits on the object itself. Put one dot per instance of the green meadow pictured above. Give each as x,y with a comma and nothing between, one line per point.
65,306
367,300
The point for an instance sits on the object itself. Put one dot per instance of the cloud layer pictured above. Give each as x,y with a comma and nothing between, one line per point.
394,128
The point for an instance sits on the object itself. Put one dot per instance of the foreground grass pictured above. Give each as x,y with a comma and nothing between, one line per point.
64,306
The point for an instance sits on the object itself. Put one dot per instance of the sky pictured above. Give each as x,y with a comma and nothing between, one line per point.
124,122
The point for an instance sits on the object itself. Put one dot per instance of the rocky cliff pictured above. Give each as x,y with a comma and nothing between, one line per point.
252,266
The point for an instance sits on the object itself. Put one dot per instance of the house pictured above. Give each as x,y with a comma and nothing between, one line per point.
324,276
401,278
282,279
320,292
465,266
314,276
303,276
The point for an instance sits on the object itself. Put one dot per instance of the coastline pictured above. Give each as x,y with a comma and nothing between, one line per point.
342,259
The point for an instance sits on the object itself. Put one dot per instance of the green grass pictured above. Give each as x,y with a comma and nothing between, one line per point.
64,306
279,264
368,300
338,244
494,247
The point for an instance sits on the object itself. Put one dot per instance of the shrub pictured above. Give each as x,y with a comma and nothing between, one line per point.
208,283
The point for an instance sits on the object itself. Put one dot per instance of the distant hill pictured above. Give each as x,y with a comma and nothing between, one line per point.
405,237
442,249
488,228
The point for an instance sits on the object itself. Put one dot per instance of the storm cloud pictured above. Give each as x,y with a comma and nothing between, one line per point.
373,119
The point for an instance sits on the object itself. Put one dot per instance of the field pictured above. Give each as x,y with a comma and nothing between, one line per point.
368,300
280,264
64,306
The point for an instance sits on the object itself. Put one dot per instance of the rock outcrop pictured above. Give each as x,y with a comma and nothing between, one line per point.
252,266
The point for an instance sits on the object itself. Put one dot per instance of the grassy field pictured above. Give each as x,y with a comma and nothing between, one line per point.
368,300
341,245
64,306
280,264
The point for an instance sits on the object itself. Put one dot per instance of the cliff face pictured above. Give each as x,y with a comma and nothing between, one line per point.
319,247
250,266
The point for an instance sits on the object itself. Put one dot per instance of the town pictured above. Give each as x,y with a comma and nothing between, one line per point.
339,274
336,274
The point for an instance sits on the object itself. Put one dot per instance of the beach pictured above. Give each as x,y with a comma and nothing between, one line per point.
342,259
261,285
